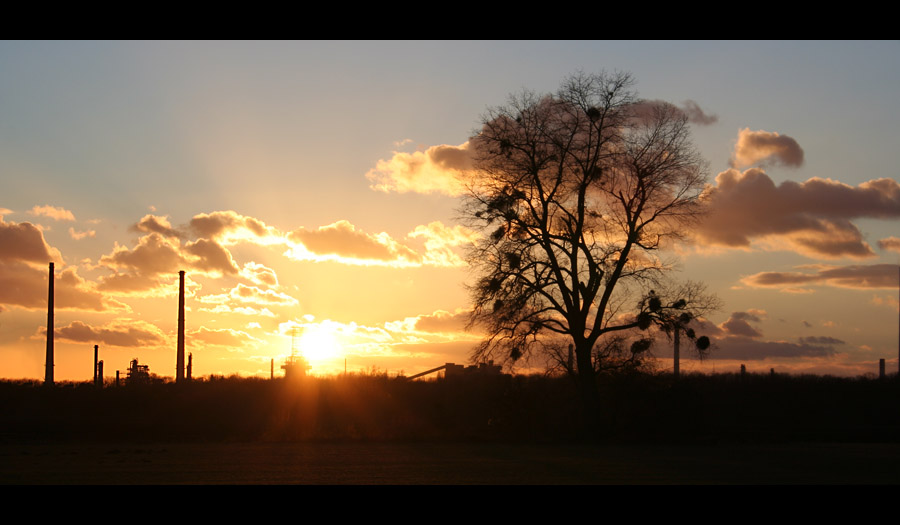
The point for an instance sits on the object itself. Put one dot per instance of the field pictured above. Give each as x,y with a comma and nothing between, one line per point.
379,430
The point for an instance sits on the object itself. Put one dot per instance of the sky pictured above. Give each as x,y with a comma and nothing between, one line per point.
306,191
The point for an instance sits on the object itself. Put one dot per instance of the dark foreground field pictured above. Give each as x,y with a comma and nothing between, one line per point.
506,430
447,463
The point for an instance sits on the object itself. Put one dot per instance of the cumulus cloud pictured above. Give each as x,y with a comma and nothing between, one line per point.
234,339
812,218
123,332
764,147
738,325
229,227
442,321
435,170
153,255
342,241
81,235
211,257
852,276
24,255
250,294
890,244
259,274
736,339
25,242
440,241
57,214
153,223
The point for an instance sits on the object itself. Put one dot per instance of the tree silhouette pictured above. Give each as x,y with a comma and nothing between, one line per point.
575,192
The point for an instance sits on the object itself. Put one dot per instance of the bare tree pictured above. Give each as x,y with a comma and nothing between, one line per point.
575,192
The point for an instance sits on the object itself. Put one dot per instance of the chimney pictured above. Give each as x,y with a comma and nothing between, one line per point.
96,348
190,365
100,374
48,364
179,359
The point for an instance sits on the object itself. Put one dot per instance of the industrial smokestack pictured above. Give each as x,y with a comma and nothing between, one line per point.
48,364
179,359
96,349
190,366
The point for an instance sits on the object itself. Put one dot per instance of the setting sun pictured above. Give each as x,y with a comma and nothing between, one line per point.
319,342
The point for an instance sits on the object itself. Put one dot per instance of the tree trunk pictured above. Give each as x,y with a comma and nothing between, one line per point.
587,386
677,349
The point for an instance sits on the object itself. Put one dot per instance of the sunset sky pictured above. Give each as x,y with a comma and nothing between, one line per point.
310,185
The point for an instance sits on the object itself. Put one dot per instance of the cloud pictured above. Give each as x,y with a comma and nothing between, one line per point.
250,294
442,321
435,170
888,301
153,255
644,110
811,218
890,244
153,223
230,227
242,310
24,256
821,340
764,147
343,242
211,257
227,337
696,115
25,242
737,325
752,349
259,274
138,269
124,333
853,276
440,241
57,214
81,235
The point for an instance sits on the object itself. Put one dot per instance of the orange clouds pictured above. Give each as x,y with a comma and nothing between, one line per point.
764,147
250,294
890,243
24,255
853,276
812,217
122,332
152,223
343,242
233,339
26,286
435,170
57,214
25,242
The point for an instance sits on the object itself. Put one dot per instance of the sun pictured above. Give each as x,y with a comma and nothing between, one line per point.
319,342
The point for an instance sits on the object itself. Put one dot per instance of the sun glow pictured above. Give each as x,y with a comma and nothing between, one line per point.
319,342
